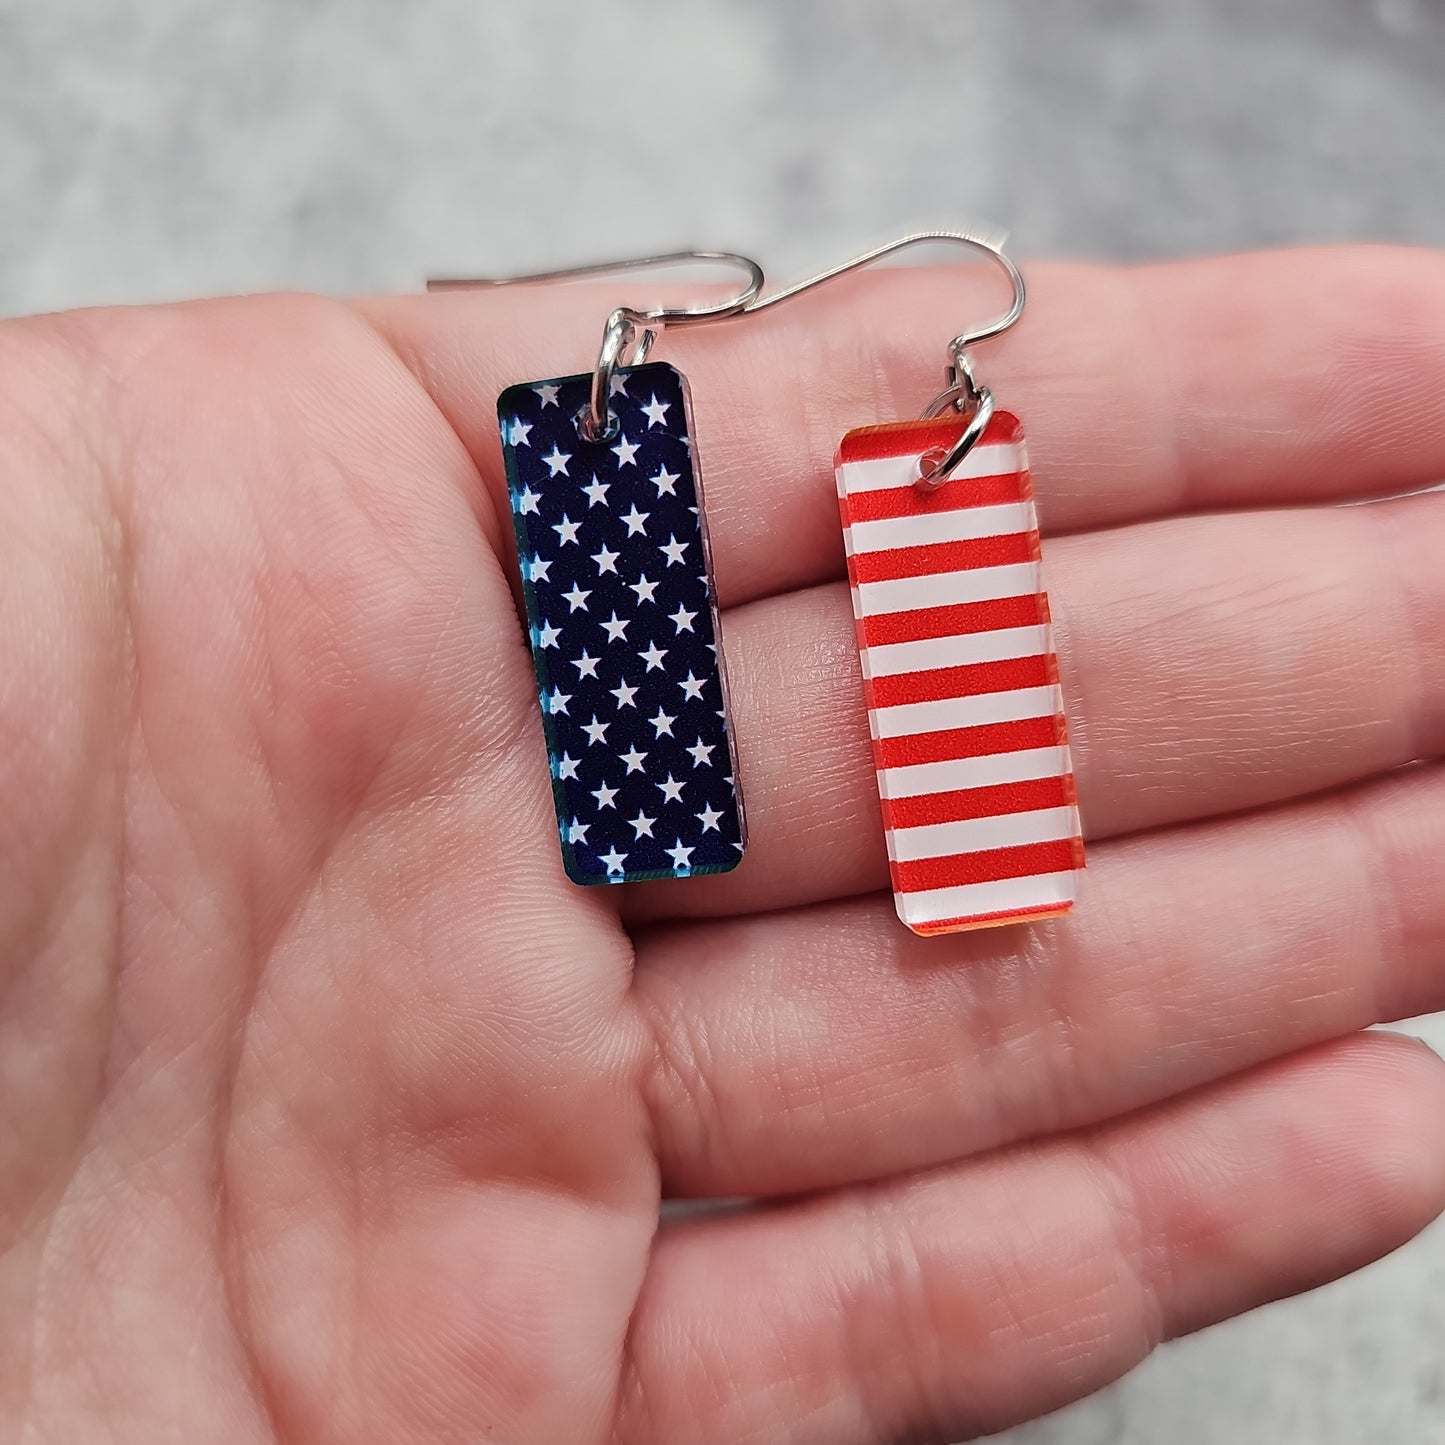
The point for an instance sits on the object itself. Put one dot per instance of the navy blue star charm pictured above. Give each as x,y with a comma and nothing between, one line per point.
622,622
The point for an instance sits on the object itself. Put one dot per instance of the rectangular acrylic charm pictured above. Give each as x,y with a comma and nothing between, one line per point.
621,616
969,738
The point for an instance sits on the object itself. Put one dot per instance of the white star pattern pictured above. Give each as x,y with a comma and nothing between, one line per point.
637,748
709,818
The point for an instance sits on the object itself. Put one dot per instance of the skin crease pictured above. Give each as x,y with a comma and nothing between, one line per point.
332,1112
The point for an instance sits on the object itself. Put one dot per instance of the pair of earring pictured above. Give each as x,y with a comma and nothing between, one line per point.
956,653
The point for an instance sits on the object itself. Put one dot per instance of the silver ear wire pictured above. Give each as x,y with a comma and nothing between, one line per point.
629,332
963,392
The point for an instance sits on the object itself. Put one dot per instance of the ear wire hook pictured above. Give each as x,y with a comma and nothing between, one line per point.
962,393
629,332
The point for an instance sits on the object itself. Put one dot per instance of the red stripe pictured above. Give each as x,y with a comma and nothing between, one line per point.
945,557
976,742
993,920
912,438
964,803
958,925
955,620
967,680
991,866
887,502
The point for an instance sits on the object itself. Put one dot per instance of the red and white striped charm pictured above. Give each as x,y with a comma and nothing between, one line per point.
964,704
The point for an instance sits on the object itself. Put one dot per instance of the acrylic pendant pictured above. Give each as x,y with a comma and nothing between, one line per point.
969,737
622,622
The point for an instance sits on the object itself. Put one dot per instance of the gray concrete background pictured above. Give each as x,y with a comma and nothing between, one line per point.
154,148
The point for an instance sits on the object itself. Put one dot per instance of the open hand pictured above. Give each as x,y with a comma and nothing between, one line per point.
331,1112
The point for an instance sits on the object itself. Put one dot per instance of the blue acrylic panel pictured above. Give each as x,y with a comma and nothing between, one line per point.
622,622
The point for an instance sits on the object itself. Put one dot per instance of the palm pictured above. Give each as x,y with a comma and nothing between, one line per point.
336,1113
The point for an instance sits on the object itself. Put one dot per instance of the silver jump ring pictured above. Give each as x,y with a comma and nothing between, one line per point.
625,328
935,468
963,394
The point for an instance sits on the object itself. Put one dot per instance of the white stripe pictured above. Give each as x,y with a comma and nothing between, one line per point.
966,712
891,658
977,835
877,473
1021,767
970,900
942,589
962,525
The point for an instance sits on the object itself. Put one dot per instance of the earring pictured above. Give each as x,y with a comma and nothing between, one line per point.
621,610
970,742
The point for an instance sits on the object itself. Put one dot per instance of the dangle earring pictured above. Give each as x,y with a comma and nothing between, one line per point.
621,609
959,673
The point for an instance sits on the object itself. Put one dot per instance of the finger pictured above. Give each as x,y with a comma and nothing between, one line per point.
803,1050
1246,381
955,1303
1209,664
